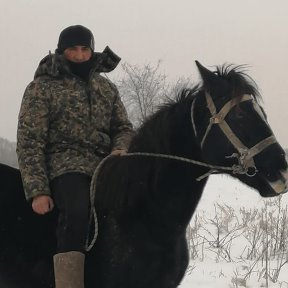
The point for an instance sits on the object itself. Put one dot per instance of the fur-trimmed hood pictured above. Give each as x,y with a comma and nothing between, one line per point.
55,65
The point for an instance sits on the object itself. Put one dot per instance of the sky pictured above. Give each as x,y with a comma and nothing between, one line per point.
252,32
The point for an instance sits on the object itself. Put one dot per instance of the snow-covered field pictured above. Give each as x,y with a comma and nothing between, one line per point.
221,275
211,272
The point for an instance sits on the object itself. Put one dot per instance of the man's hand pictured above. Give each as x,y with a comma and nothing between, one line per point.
119,152
42,204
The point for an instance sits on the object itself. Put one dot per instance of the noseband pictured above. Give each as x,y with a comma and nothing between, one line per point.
245,155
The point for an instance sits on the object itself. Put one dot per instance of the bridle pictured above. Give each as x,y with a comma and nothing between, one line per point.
245,155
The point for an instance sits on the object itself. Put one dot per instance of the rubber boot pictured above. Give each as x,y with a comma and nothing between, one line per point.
69,269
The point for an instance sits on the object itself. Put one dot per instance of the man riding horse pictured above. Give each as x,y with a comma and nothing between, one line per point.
70,118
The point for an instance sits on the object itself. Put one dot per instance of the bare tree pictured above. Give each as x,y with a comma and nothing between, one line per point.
144,88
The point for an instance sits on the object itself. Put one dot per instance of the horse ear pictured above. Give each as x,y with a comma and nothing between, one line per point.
212,82
206,75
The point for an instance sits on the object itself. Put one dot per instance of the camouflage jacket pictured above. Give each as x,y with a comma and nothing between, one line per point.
67,125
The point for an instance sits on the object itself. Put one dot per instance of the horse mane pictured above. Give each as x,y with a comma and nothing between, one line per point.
236,77
239,81
156,124
157,128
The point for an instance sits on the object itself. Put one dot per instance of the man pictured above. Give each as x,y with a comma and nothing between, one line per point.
70,118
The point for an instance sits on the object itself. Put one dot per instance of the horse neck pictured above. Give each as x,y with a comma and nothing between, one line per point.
166,132
174,189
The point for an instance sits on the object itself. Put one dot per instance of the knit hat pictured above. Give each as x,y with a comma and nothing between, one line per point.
73,36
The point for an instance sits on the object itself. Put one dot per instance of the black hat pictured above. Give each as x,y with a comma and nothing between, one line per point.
73,36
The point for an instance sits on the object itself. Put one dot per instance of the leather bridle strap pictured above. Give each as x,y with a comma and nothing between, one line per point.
245,156
219,118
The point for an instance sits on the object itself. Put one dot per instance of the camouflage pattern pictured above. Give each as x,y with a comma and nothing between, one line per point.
66,125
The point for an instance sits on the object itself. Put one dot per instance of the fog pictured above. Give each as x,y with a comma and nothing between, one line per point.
177,32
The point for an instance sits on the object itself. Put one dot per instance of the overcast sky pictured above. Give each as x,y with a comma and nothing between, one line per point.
253,32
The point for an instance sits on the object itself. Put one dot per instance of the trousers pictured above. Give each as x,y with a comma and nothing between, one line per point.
71,195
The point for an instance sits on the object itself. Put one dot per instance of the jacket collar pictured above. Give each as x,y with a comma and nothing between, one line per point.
55,65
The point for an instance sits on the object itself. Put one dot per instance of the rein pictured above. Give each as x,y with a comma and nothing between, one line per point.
244,156
236,169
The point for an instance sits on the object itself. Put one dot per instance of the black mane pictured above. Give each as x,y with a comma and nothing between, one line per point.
158,125
239,80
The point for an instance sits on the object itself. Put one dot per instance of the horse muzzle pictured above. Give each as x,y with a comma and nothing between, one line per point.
280,186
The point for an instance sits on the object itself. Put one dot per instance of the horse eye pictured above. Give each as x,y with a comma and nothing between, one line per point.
239,116
239,113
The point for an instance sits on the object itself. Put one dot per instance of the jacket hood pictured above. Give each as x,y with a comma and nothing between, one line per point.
56,65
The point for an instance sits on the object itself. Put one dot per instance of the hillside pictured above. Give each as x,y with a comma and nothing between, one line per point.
8,153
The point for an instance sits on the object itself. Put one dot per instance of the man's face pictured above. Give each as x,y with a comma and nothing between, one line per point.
78,54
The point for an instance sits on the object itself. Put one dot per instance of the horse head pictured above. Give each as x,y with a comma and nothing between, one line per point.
232,130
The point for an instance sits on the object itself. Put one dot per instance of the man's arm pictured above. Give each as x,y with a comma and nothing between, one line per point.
31,140
120,126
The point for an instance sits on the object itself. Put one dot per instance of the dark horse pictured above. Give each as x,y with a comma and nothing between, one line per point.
144,203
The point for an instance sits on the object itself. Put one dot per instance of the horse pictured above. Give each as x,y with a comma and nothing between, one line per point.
145,199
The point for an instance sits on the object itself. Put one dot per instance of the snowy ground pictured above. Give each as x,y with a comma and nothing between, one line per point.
208,273
221,275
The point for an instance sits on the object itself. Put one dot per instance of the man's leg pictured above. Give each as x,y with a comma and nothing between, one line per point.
71,196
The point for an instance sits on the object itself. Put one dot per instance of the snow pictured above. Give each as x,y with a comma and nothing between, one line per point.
221,275
216,272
